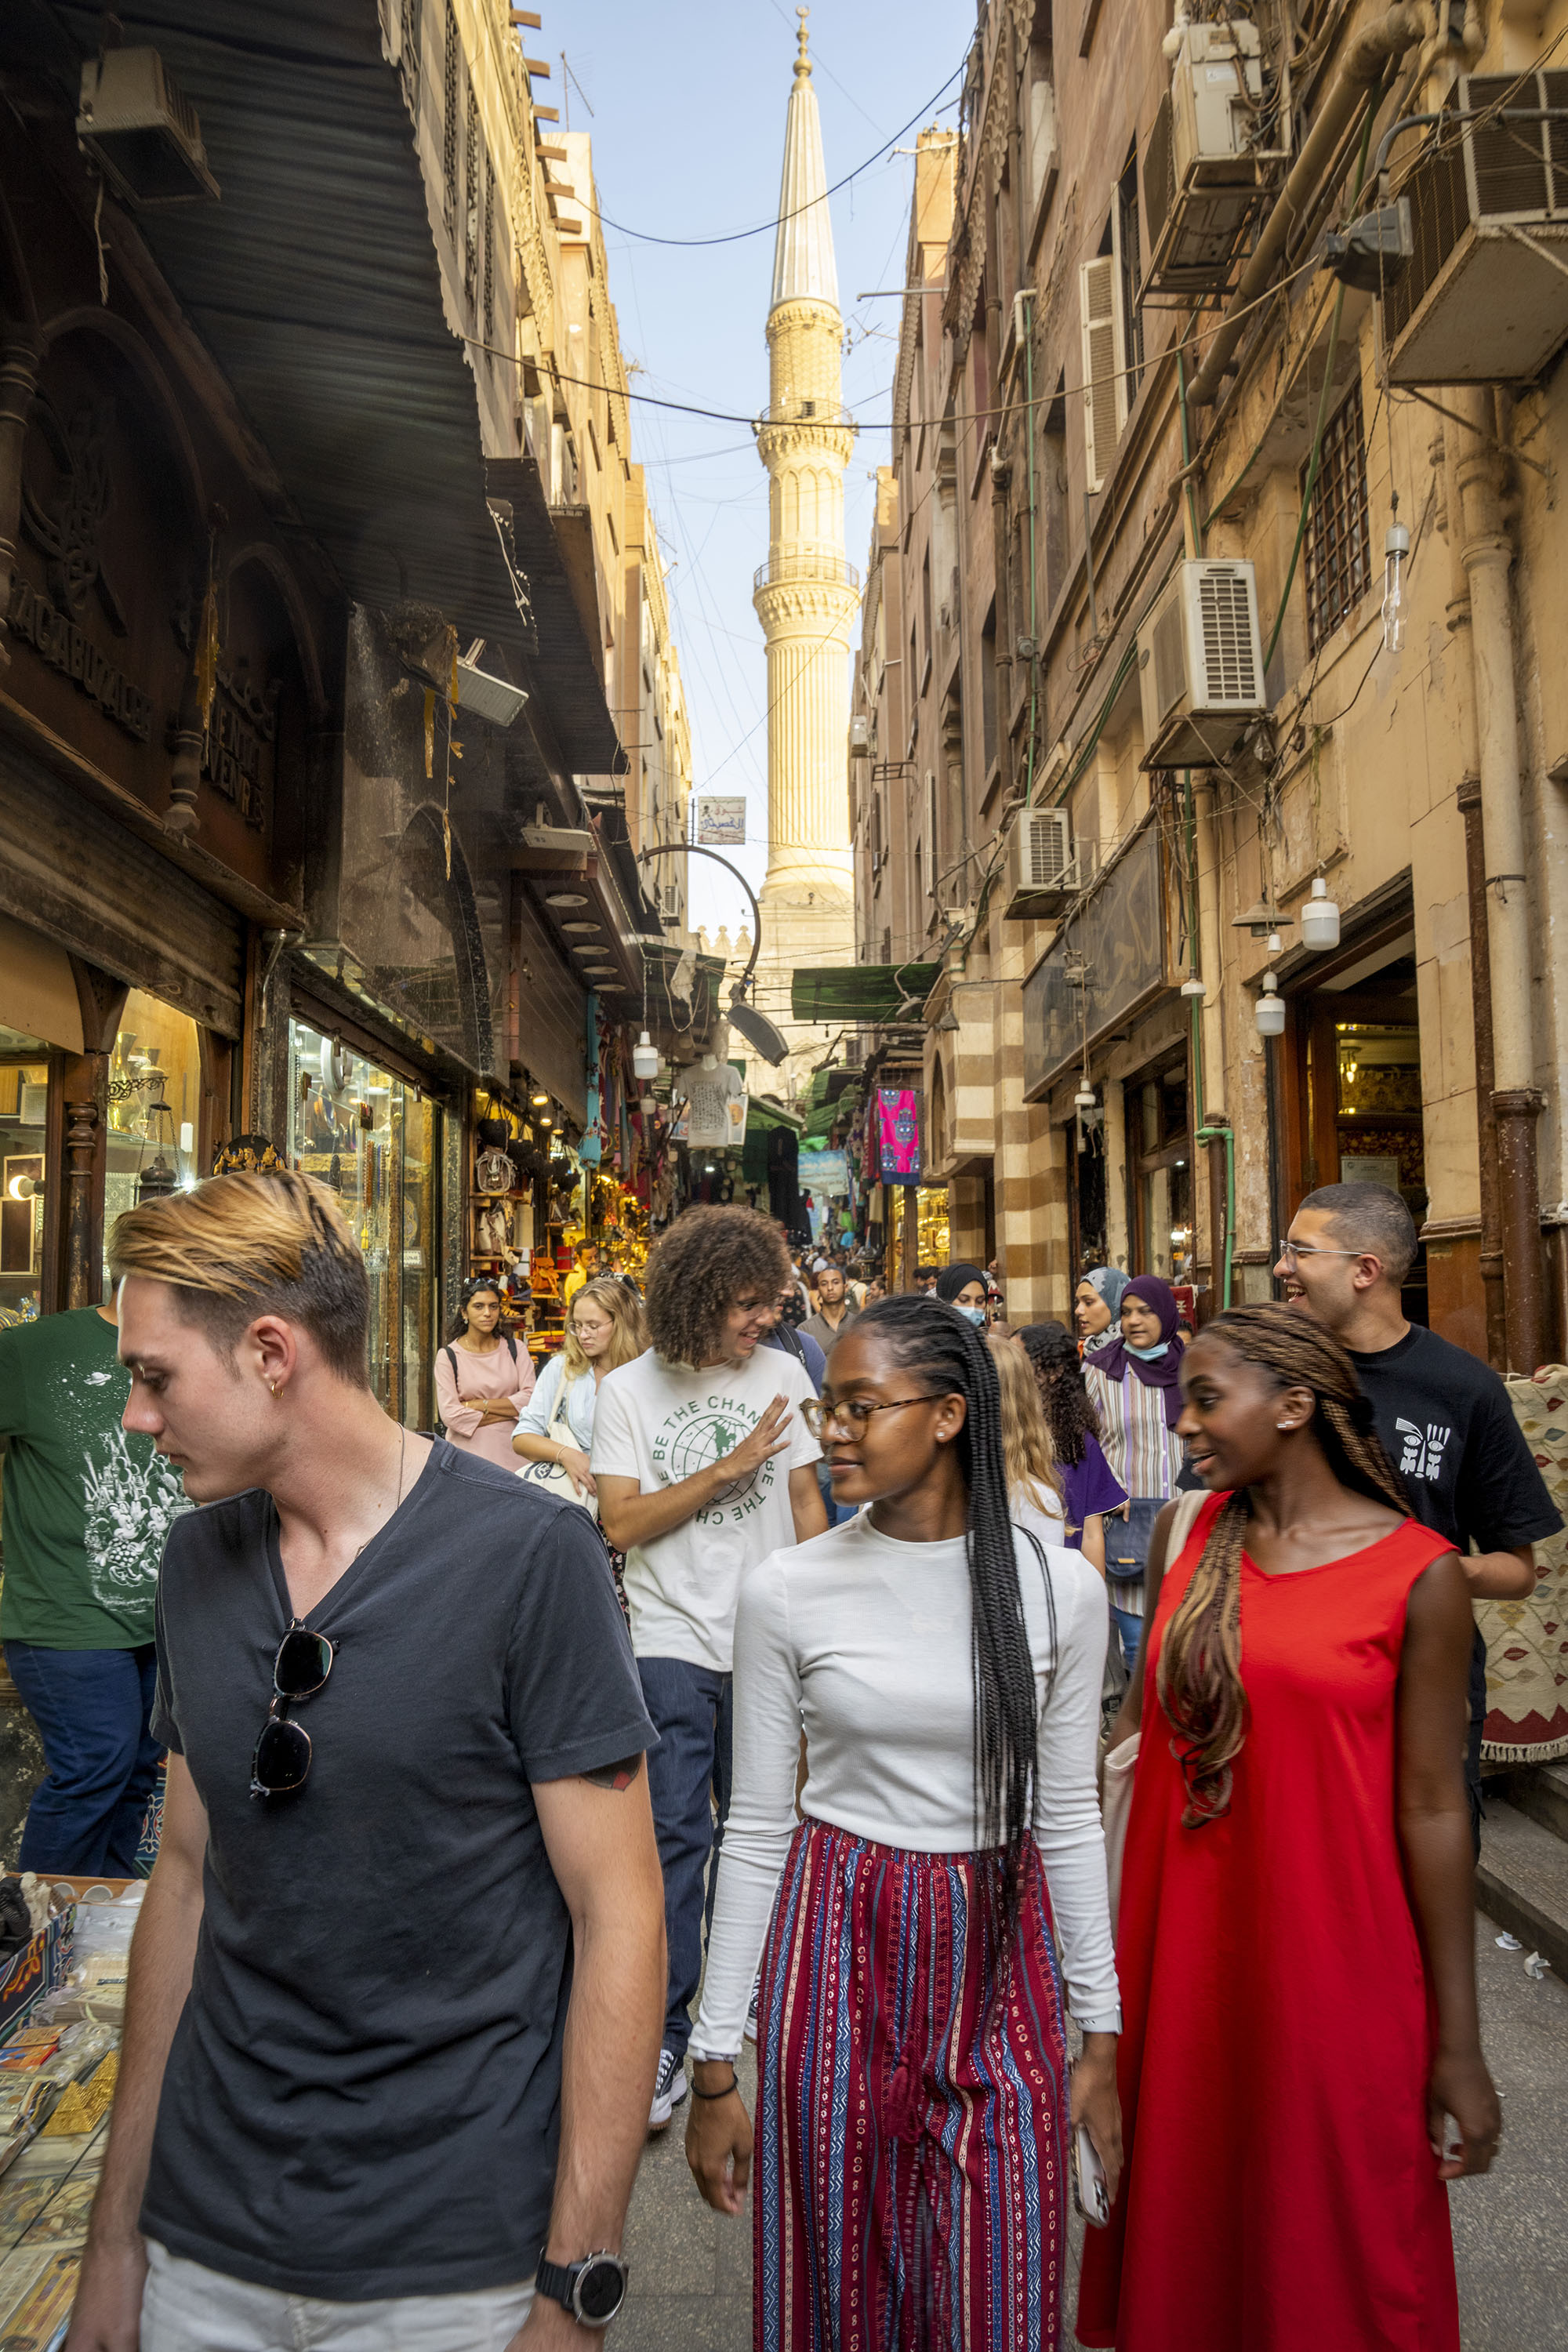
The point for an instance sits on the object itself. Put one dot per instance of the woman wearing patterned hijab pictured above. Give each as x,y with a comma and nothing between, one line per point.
1096,1306
1134,1384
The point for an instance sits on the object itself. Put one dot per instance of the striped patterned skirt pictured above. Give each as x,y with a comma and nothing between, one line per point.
909,2191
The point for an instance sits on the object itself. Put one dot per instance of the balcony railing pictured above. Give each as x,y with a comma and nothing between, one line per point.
805,411
803,564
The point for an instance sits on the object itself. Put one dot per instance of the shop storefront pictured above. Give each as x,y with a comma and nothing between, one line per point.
375,1137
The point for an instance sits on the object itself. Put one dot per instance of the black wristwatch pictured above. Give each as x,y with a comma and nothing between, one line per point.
593,2290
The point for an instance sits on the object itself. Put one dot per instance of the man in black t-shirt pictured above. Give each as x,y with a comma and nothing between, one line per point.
1444,1417
397,1982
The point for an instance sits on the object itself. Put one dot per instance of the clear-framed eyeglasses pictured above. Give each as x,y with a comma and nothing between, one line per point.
1291,1252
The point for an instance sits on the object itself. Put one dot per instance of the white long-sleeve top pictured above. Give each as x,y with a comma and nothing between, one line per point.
865,1641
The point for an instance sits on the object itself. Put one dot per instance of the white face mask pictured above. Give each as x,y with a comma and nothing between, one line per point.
977,1315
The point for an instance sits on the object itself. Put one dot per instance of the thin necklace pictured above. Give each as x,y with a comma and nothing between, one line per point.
402,1458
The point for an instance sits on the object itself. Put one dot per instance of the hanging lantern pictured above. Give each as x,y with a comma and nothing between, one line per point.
645,1057
1320,917
1085,1097
1269,1011
156,1182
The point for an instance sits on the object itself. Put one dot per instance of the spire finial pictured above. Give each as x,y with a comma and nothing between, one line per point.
803,63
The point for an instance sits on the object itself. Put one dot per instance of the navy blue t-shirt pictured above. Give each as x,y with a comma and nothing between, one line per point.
363,2097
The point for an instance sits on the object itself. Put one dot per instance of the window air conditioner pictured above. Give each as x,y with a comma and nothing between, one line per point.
1200,666
1041,870
142,129
1485,298
1204,173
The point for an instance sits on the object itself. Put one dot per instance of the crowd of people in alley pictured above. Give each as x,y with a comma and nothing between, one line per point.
1056,1748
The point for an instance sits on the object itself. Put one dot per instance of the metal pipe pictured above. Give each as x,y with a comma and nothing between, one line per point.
1487,554
1470,801
1388,35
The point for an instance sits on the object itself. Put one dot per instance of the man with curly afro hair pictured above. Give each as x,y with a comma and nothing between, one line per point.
703,1467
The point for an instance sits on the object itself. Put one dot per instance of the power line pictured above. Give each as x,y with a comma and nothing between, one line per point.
765,228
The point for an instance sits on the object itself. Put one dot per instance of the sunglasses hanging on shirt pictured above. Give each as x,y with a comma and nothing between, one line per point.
282,1763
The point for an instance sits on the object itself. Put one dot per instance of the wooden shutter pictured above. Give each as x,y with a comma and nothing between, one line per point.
1104,365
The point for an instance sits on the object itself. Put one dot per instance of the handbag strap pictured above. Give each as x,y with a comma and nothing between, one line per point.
561,1432
1189,1503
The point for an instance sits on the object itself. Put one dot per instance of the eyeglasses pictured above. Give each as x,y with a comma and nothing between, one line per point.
851,1414
282,1760
1290,1251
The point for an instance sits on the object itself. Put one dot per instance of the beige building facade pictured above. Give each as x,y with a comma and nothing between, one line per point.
1141,393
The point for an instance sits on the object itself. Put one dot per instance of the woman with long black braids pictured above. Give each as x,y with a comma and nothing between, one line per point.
1302,2071
913,2096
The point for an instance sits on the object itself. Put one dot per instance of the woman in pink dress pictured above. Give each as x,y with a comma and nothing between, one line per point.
483,1379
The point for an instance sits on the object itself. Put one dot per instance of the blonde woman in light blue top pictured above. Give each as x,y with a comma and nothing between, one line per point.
605,1327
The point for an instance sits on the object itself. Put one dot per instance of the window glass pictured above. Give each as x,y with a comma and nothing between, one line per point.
23,1099
154,1108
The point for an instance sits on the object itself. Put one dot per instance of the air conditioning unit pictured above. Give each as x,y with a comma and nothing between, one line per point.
1200,664
1041,869
489,697
1206,172
142,129
1484,297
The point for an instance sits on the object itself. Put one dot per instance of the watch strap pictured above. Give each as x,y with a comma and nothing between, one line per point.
556,2280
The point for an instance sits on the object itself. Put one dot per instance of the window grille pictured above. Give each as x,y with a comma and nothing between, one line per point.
450,123
1339,564
409,60
489,272
471,200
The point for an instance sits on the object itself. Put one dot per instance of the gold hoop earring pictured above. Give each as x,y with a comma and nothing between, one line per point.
273,1386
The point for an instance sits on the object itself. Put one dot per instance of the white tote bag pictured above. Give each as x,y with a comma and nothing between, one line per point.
1120,1763
555,1476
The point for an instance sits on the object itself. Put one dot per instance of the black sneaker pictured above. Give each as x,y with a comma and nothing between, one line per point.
669,2090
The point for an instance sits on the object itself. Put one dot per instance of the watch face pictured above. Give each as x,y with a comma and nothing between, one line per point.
600,2289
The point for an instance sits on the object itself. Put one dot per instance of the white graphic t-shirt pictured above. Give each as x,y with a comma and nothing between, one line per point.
659,1423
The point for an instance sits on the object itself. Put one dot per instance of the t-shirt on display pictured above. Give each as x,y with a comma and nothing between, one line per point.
660,1423
363,2097
87,1505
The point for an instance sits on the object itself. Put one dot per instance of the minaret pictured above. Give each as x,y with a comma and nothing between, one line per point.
806,593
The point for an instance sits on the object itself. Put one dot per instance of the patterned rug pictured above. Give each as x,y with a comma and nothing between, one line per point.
1527,1640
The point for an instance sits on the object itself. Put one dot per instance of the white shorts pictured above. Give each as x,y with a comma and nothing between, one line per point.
187,2309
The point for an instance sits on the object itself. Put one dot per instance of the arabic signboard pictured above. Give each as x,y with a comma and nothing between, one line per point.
721,821
1107,958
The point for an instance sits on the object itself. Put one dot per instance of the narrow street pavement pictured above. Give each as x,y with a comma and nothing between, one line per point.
691,2270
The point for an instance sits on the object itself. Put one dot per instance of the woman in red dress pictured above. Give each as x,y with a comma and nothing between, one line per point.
1296,1941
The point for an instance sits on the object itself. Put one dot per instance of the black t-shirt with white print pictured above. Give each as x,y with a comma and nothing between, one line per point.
1449,1429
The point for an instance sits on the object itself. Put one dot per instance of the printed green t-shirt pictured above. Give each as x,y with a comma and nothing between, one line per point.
87,1507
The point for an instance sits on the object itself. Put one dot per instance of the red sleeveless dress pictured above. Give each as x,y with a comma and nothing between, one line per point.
1280,2193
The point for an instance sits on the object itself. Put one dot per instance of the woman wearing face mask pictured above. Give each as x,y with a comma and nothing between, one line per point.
1097,1306
1134,1386
963,1286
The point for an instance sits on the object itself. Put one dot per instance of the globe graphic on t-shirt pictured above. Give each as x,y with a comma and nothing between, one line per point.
707,1440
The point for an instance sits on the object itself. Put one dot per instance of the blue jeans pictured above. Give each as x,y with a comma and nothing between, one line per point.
1129,1633
91,1707
688,1782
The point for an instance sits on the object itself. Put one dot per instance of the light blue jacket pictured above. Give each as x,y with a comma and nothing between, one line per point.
539,1410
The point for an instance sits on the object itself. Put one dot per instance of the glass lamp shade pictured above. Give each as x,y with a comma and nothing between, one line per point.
1320,917
1269,1011
645,1057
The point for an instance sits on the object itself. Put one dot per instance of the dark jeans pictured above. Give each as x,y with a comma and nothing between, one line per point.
91,1707
688,1780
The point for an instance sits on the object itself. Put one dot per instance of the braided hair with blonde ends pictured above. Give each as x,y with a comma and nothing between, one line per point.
1199,1676
935,1345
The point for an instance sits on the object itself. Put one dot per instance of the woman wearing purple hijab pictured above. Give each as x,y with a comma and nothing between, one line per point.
1135,1386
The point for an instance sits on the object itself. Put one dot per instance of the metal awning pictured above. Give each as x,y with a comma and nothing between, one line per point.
315,284
567,669
860,992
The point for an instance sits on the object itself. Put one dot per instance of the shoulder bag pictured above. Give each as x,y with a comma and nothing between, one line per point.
1116,1786
554,1476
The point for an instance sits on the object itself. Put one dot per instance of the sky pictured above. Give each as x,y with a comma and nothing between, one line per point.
687,118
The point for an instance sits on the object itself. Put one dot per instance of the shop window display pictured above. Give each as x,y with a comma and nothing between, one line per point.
155,1107
373,1138
23,1099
